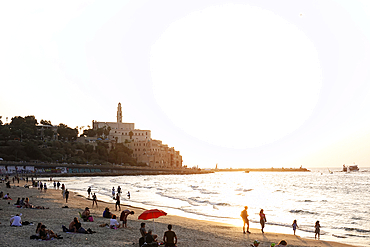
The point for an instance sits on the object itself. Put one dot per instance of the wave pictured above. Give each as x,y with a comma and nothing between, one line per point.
356,230
302,212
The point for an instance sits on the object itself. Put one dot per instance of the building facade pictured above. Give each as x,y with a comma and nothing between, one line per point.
146,150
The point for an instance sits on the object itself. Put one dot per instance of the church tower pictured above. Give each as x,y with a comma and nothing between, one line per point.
119,113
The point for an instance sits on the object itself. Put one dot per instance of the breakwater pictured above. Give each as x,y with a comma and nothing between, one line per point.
72,170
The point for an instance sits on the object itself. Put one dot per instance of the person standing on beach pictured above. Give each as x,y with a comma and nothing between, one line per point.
295,226
45,187
118,202
262,220
169,238
244,215
55,185
317,229
89,191
124,215
128,194
94,201
113,192
66,195
58,185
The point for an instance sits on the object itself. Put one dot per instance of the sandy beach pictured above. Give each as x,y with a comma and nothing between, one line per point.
189,232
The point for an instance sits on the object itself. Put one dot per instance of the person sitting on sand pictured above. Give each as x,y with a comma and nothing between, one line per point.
85,214
150,239
7,197
142,229
38,228
47,234
27,203
107,213
143,233
113,223
124,215
18,202
74,225
170,238
16,220
21,203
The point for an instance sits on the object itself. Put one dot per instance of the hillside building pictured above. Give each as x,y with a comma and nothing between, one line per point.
151,152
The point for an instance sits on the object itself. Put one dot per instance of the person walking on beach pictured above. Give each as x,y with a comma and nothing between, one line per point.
55,185
244,215
317,229
45,187
94,201
58,185
89,191
170,238
262,220
295,226
118,202
66,195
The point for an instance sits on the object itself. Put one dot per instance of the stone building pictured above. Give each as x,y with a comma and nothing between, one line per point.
151,152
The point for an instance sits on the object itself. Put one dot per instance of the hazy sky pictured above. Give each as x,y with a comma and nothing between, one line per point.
238,83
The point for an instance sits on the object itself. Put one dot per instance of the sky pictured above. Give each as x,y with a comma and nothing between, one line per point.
233,83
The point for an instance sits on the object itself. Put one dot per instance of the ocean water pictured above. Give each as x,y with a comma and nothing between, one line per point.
340,201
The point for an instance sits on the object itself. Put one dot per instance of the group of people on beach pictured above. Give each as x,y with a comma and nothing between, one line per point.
148,239
244,215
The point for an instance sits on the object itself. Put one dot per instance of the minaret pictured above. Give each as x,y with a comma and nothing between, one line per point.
119,113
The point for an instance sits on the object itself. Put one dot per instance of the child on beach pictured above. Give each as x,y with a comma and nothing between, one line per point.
295,226
94,201
317,229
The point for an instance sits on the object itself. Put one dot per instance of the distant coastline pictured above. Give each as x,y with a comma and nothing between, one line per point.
301,169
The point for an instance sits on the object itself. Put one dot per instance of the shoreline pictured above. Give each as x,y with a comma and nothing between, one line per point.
190,232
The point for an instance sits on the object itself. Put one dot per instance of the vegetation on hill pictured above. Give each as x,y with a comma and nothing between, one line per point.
23,139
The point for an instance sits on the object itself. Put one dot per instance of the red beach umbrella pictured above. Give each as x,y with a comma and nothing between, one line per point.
152,214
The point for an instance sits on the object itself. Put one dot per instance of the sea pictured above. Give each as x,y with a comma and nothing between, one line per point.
339,200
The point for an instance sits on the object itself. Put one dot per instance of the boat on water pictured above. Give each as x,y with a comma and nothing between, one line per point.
350,168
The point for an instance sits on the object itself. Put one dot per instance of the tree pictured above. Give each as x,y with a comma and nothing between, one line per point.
45,122
66,133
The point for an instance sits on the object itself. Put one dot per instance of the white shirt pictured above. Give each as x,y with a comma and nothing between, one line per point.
17,221
113,222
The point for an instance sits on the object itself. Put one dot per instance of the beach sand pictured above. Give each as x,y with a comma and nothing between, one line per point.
190,232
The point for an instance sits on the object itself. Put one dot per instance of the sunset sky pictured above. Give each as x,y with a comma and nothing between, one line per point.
238,83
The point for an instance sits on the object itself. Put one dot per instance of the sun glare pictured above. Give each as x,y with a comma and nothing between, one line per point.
235,75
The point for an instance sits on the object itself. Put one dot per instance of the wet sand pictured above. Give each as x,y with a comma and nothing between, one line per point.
190,232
